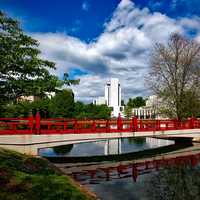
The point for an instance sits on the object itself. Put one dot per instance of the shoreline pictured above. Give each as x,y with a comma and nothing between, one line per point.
77,184
31,178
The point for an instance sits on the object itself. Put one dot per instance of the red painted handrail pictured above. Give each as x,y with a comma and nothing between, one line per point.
36,125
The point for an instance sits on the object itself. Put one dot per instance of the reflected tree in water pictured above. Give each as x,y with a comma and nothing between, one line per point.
138,140
175,183
64,149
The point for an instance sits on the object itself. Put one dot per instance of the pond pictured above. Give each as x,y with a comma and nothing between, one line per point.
169,175
170,183
105,147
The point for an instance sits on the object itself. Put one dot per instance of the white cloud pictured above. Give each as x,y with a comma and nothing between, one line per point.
122,50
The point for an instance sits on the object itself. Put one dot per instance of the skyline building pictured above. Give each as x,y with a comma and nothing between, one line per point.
113,96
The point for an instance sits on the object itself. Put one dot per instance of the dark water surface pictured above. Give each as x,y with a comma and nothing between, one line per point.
105,147
173,177
169,183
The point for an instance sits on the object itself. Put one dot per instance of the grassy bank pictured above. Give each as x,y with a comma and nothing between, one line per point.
24,177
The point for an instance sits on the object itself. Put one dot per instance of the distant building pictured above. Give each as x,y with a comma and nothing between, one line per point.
99,101
28,98
112,97
151,110
144,113
32,98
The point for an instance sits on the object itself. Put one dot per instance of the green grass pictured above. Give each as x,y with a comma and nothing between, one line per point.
24,177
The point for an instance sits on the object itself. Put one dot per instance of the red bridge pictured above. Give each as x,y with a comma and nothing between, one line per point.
31,125
27,135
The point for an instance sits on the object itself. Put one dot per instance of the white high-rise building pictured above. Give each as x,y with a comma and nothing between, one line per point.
113,96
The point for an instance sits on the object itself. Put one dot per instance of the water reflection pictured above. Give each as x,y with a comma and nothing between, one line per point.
166,176
175,183
112,171
105,147
63,149
170,178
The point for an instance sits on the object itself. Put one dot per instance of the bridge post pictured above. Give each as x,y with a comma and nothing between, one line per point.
131,127
93,126
192,122
135,123
65,125
175,124
158,125
141,125
119,123
30,122
107,126
75,126
37,122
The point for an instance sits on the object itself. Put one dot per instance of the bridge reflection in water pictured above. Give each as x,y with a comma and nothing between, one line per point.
114,146
105,147
96,174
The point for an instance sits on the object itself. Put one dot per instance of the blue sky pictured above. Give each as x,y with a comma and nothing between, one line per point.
97,39
70,16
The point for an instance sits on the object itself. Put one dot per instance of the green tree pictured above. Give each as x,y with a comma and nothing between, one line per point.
79,110
62,104
136,102
128,111
25,108
22,71
103,112
91,111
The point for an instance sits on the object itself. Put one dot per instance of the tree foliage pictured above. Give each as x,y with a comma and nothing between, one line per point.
25,108
62,104
91,111
136,102
22,71
128,111
175,76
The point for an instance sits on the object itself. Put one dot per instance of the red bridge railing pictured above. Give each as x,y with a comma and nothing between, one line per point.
36,125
